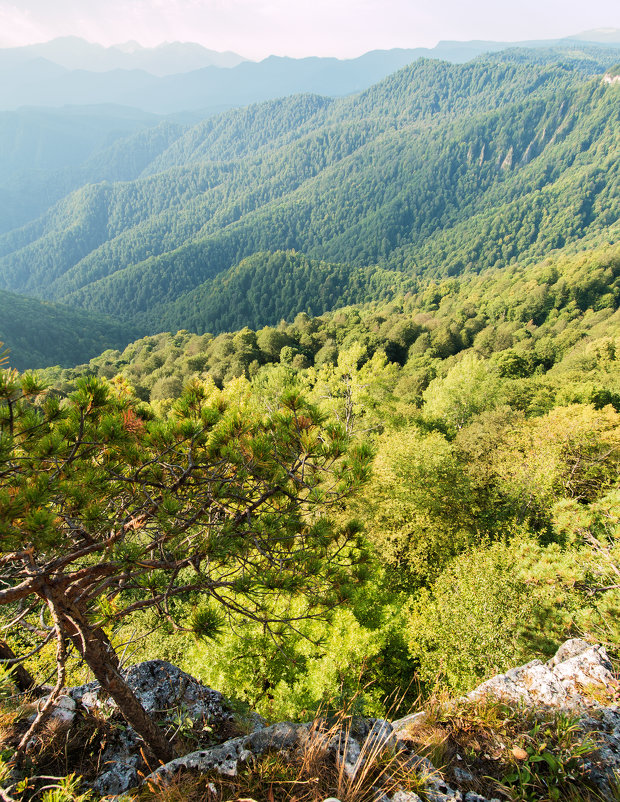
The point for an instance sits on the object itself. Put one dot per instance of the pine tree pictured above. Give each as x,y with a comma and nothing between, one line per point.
104,513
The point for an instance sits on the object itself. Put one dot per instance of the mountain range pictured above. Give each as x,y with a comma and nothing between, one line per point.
168,58
180,77
74,53
70,114
310,202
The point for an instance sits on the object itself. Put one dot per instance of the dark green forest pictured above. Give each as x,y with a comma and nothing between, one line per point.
43,332
438,171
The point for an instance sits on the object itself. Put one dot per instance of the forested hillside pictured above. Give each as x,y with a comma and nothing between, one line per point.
437,171
342,439
492,405
29,188
528,316
41,333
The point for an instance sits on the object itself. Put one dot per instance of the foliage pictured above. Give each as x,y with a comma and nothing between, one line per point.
467,389
55,334
571,452
526,320
321,665
440,170
103,513
7,686
421,507
473,621
487,400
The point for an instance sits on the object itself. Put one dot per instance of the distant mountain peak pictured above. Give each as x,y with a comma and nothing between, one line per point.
128,47
600,35
167,58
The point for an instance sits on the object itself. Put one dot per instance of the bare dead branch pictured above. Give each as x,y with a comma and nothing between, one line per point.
61,659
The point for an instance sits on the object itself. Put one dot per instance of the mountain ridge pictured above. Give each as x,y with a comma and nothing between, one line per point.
213,87
74,52
436,171
338,184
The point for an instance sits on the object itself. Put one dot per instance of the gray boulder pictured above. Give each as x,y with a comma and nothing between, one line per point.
169,695
162,688
562,682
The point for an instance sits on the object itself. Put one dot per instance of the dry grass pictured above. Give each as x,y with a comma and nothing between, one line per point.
313,771
513,753
58,751
485,746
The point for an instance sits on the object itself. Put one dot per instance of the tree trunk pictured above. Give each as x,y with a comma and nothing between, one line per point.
94,646
23,678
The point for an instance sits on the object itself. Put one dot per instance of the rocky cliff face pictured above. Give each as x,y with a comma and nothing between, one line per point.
492,733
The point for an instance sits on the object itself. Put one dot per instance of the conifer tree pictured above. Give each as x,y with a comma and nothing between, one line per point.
104,513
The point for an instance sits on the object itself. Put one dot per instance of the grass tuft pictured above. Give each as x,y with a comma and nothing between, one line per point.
332,761
516,753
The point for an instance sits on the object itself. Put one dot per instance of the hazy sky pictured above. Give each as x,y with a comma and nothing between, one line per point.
257,28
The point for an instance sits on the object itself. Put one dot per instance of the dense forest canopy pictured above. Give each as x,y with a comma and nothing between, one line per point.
437,171
491,403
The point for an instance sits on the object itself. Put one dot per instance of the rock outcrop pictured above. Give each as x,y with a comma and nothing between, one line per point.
572,681
168,694
562,682
578,679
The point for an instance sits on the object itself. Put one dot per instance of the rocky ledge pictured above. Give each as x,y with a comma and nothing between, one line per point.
171,696
578,680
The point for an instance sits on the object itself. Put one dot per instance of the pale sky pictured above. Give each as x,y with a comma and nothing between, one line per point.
343,28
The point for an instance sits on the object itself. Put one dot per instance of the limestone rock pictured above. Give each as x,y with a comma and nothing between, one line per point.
347,746
63,712
564,682
560,682
410,721
347,753
121,762
439,791
226,758
589,668
604,725
570,648
166,693
162,687
405,796
462,775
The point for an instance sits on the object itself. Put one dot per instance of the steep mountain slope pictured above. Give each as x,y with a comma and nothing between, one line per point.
437,170
40,333
29,192
268,287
